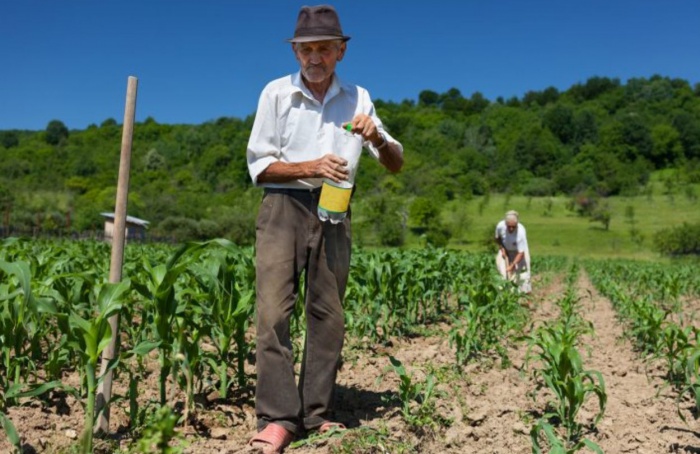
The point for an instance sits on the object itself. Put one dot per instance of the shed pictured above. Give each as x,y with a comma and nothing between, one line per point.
135,227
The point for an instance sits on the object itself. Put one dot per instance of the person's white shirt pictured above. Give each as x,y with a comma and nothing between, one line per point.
513,241
292,126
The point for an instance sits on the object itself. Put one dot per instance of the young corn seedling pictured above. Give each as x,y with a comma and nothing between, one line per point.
160,434
417,399
163,309
692,383
675,346
10,432
89,338
561,371
230,309
556,444
21,321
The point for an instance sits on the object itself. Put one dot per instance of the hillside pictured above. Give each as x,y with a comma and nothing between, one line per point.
596,140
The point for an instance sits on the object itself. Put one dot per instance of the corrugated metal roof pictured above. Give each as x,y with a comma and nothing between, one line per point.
129,219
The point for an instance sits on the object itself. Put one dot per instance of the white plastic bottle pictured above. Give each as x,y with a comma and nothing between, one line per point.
334,201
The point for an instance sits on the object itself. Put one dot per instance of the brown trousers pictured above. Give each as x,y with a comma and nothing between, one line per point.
291,240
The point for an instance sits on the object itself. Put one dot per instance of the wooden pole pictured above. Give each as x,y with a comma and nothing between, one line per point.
104,391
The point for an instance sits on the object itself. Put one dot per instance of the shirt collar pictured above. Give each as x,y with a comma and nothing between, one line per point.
333,90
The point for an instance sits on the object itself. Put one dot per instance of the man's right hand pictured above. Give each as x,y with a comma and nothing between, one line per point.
330,166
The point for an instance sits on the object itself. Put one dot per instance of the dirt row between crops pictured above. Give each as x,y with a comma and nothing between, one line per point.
489,405
641,415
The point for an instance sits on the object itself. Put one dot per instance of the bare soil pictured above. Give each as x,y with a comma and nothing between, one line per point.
488,404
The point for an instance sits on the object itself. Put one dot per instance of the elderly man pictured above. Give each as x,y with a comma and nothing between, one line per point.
290,152
513,258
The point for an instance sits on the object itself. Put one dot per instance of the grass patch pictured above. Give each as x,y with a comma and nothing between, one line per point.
553,229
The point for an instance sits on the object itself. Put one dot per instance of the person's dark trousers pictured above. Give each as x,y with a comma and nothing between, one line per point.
291,240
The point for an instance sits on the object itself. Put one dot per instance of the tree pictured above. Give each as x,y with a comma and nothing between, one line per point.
9,139
667,147
477,103
428,98
560,120
154,160
6,201
56,131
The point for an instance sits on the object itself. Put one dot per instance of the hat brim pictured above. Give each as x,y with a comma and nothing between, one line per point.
309,39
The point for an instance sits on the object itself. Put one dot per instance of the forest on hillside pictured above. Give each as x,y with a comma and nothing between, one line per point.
597,139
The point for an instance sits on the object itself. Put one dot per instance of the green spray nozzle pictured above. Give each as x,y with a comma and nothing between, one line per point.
348,127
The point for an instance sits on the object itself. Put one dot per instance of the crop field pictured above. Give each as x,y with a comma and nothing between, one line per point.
441,354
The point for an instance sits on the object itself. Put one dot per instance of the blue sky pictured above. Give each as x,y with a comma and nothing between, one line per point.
200,60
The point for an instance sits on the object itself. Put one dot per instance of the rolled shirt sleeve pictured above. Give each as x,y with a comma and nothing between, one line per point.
264,144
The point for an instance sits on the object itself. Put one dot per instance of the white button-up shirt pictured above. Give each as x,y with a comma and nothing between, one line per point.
291,126
513,241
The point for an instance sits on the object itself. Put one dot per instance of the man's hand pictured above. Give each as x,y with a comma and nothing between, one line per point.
330,166
362,124
390,155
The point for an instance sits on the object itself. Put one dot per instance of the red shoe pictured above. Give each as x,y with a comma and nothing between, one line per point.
273,439
328,426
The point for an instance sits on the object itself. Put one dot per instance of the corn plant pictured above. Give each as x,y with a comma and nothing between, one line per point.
556,444
21,324
486,315
417,399
562,372
227,280
160,434
10,432
483,325
675,346
647,320
89,337
160,293
692,383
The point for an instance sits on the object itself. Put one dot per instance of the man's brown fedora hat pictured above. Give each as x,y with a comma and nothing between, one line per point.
317,23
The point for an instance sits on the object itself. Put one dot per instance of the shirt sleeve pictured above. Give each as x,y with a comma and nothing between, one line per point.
497,233
264,143
522,239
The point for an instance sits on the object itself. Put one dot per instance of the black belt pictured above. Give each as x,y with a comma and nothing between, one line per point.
293,191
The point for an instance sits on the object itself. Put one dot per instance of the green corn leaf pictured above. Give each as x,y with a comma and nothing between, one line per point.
592,446
10,431
145,347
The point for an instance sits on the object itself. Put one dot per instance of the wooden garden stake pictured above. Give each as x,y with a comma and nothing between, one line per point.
104,391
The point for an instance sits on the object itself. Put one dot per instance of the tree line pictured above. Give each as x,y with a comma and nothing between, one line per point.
598,138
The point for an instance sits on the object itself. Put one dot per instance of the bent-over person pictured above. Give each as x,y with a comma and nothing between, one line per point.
513,257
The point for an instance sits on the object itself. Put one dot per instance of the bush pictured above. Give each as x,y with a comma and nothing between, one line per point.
681,240
539,187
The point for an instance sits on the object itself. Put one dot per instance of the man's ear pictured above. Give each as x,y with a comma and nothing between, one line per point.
341,51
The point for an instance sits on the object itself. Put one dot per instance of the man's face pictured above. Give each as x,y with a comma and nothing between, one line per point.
317,59
511,226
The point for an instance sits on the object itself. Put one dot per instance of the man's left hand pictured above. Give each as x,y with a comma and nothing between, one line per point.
362,124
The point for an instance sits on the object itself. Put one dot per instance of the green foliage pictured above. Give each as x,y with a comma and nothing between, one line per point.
553,346
600,136
160,434
56,132
11,432
681,240
9,139
418,399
